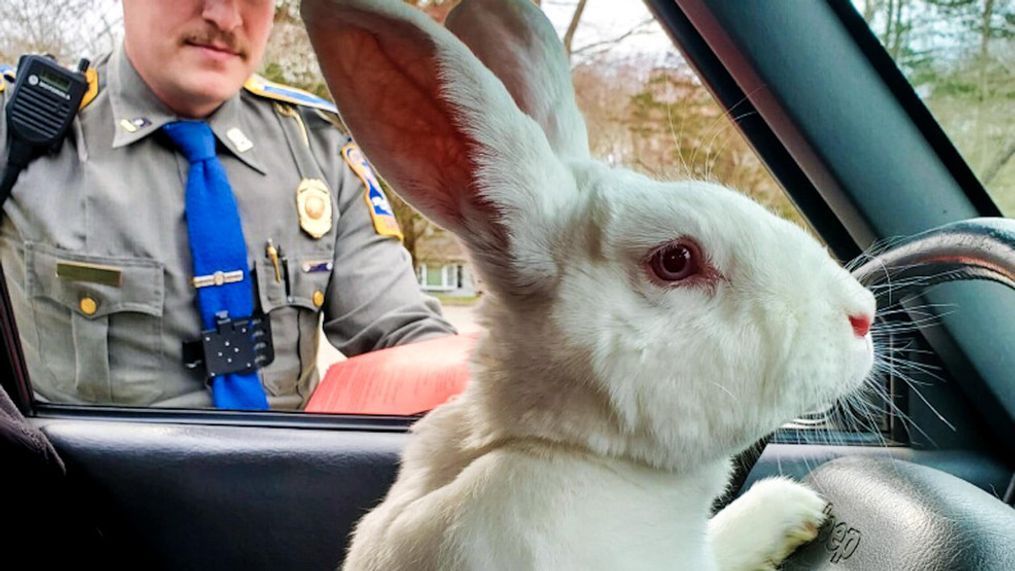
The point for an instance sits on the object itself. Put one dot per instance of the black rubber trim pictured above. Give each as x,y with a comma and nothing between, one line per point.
214,417
13,372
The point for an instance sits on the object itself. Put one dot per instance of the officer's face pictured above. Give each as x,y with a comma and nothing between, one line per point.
195,54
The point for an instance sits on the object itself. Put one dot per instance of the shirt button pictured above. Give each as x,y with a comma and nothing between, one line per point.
318,298
88,305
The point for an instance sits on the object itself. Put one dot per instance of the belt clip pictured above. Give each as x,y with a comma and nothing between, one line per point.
235,346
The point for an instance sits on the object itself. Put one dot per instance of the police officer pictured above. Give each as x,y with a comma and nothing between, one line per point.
95,244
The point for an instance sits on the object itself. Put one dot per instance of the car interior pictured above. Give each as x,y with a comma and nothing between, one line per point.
928,482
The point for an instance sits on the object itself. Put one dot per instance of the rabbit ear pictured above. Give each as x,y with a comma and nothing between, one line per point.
442,129
515,40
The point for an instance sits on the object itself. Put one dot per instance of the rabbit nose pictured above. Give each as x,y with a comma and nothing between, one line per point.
861,324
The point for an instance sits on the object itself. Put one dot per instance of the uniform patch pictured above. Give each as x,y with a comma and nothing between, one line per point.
381,213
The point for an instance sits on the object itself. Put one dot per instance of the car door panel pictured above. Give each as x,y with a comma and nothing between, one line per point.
185,496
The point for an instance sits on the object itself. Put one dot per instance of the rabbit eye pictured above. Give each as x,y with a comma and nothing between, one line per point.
675,261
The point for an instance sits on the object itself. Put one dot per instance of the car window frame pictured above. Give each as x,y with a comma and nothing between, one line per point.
841,226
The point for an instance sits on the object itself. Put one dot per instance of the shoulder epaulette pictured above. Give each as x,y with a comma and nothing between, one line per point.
8,74
92,75
278,92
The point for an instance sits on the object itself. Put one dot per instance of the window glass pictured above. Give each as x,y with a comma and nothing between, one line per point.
958,56
435,277
109,339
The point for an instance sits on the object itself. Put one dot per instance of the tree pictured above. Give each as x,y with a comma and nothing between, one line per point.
66,29
652,117
288,58
958,54
657,118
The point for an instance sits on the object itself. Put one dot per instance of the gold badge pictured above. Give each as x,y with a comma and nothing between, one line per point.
313,203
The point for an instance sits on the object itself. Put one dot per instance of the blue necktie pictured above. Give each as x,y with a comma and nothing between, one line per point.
217,245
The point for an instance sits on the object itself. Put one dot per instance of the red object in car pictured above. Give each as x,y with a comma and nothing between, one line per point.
404,380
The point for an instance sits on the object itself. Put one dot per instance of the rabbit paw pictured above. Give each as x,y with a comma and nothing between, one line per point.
762,527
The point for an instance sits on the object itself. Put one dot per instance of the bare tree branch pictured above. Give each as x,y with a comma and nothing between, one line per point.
63,28
572,27
640,28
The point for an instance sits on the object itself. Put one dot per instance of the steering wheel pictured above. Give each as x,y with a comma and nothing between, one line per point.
893,514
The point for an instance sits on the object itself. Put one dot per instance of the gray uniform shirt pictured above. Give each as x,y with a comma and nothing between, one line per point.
113,197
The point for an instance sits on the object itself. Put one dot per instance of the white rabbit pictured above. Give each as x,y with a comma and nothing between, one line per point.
640,333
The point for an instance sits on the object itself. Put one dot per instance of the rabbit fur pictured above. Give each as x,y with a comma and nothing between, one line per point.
605,403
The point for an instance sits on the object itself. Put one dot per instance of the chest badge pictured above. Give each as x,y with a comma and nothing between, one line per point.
313,203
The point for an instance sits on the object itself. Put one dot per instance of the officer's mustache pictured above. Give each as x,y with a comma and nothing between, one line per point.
223,40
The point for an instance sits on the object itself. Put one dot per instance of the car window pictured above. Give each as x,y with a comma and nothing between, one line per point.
958,56
645,108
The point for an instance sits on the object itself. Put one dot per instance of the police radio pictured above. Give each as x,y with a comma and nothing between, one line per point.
43,103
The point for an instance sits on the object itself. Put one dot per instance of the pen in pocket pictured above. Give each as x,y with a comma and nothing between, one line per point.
272,254
285,272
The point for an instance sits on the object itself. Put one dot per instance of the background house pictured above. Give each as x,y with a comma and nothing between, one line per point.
442,266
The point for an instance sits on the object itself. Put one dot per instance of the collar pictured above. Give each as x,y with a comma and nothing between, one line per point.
137,113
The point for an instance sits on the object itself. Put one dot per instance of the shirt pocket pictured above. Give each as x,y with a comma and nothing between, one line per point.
98,321
295,319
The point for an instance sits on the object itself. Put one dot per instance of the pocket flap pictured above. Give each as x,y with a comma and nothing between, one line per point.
310,282
112,284
307,284
270,291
